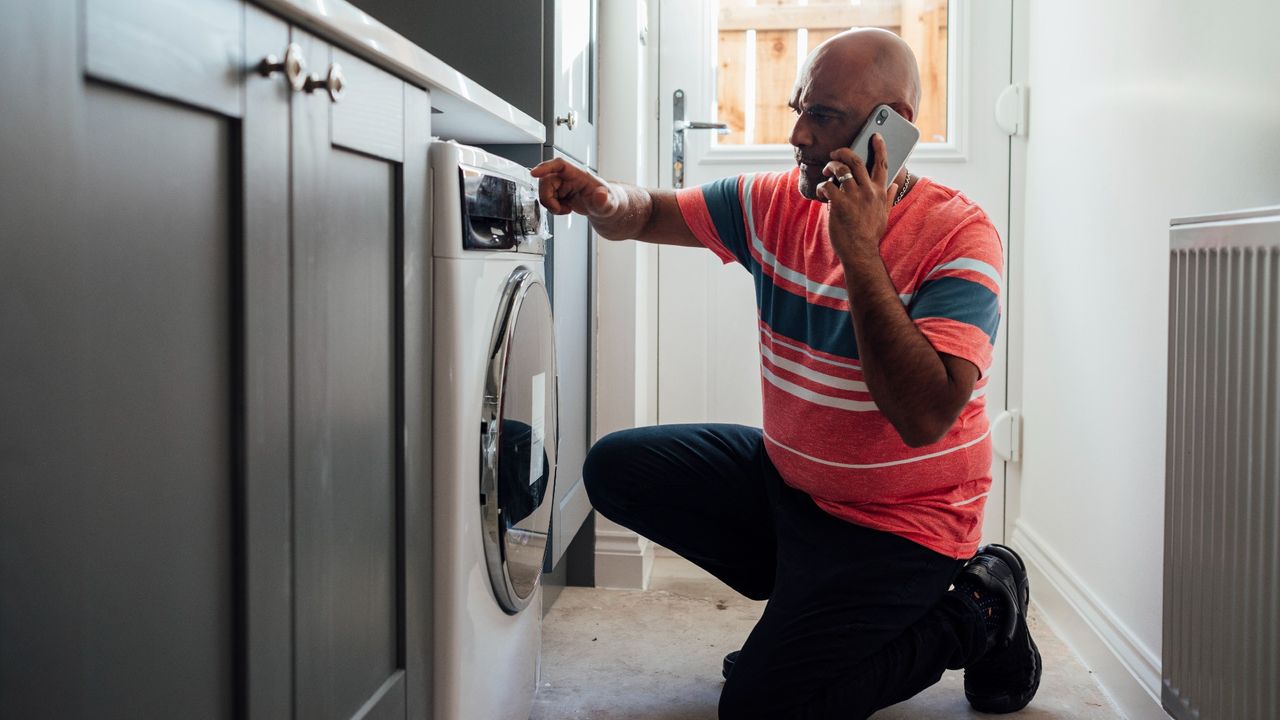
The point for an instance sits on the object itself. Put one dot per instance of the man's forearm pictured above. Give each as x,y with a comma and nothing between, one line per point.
630,218
905,375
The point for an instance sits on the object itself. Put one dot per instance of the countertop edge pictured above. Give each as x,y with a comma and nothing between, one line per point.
361,34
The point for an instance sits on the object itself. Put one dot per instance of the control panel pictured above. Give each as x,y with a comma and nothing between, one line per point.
499,213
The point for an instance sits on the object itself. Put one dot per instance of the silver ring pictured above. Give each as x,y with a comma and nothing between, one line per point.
844,178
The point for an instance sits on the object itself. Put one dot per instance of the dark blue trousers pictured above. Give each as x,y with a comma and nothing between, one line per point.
856,619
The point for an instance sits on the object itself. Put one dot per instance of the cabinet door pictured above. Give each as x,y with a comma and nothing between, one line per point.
267,503
349,592
122,429
569,266
571,67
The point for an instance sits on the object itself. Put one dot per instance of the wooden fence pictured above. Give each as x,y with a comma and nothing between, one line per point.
753,91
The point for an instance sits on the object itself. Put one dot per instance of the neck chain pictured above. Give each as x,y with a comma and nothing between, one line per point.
903,192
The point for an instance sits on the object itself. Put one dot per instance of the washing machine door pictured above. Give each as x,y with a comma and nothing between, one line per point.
518,441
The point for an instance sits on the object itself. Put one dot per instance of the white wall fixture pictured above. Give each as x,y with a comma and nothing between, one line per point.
1011,110
1006,436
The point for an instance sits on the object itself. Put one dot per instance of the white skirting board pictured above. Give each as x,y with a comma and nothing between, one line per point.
1127,670
623,559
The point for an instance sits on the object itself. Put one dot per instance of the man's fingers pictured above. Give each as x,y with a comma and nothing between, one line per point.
548,193
879,174
822,190
835,169
854,163
859,168
548,167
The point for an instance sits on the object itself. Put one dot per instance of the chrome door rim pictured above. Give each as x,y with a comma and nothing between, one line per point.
518,285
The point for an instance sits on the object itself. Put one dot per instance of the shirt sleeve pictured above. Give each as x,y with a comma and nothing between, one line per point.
714,213
957,306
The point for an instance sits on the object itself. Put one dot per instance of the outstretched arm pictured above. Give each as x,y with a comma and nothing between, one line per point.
617,211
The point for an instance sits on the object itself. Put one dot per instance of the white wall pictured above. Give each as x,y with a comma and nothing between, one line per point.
1140,111
626,272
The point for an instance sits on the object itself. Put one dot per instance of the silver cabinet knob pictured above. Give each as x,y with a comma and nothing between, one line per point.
293,66
334,82
569,120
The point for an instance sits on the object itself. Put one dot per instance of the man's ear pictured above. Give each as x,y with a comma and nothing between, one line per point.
904,110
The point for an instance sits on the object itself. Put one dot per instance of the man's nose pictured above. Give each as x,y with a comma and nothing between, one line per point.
800,136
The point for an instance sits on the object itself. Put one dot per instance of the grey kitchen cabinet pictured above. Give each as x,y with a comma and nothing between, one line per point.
571,78
347,513
570,89
120,437
571,250
212,452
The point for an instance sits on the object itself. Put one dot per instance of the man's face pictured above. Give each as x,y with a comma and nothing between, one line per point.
829,114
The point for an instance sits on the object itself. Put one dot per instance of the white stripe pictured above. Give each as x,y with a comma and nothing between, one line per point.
812,286
838,383
749,97
969,264
975,497
816,376
779,341
816,398
873,466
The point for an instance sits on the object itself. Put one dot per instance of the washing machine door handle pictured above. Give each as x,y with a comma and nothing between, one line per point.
519,430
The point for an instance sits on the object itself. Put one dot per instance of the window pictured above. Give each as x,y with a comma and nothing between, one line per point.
763,42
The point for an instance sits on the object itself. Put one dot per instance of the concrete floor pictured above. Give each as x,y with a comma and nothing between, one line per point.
655,655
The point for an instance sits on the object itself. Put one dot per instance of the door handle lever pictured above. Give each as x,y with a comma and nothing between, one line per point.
678,126
682,125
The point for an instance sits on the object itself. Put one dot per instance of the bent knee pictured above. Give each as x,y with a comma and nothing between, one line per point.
605,469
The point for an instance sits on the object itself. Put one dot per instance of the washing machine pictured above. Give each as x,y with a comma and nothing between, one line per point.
495,425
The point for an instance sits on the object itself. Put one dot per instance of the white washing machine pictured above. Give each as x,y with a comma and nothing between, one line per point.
495,425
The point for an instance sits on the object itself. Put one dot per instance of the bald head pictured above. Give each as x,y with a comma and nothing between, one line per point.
839,84
874,62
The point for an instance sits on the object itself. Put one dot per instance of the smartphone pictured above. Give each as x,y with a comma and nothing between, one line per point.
900,138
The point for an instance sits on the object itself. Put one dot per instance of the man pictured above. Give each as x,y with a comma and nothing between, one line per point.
859,504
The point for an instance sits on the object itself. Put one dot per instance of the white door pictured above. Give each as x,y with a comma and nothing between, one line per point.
708,360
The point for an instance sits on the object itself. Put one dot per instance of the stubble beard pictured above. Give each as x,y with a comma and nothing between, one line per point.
806,186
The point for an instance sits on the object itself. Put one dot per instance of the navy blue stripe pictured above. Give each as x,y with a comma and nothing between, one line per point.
820,327
725,207
958,299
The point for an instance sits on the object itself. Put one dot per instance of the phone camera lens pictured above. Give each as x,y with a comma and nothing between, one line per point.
884,115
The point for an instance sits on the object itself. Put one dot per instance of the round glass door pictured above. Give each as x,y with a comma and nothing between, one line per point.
518,440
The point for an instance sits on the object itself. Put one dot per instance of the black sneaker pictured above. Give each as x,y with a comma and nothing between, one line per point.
1007,676
729,660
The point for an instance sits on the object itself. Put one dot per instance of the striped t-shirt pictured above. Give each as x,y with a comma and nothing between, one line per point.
822,429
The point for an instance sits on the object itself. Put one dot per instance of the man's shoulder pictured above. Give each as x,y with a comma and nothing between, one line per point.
946,205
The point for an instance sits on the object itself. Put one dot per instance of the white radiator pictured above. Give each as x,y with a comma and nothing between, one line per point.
1222,482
